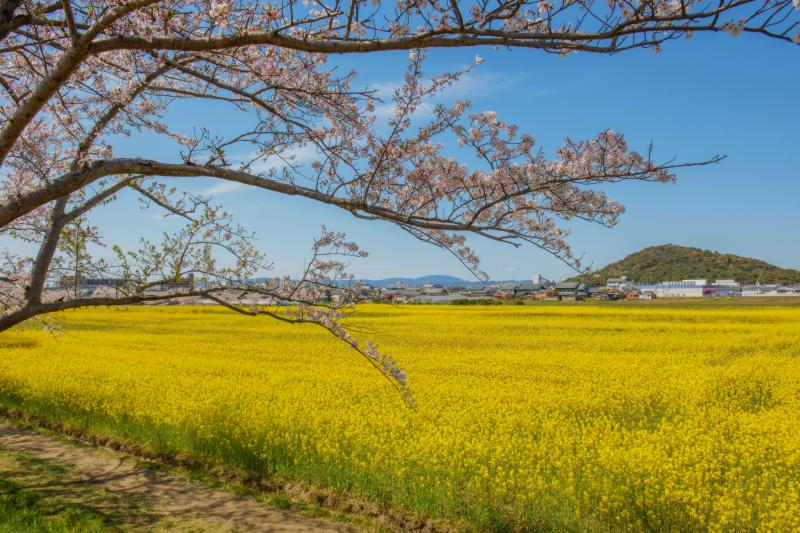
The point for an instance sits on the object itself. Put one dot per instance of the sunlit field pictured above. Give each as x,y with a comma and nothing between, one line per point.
529,417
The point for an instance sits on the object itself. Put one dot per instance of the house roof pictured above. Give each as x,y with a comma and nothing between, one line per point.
404,292
434,290
528,286
569,285
480,290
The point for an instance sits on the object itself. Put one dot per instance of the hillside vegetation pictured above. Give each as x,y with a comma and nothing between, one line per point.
670,262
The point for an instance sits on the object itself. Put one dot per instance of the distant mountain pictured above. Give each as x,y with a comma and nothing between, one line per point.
437,279
670,262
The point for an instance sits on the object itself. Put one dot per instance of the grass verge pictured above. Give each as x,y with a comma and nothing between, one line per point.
40,496
170,451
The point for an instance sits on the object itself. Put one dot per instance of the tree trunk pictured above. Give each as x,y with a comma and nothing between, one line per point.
7,10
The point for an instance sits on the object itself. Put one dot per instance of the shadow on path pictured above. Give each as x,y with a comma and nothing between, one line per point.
131,497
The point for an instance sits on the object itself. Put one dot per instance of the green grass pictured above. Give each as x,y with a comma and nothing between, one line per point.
23,510
28,500
173,451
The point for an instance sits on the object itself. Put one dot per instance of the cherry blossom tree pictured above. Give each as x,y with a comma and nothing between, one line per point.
77,75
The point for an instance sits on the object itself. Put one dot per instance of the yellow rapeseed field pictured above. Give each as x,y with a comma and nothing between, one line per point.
529,417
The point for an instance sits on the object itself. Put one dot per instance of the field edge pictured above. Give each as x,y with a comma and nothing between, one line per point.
314,502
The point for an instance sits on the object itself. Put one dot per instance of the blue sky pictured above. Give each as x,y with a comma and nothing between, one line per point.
710,95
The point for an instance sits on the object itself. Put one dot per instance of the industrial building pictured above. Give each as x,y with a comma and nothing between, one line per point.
692,288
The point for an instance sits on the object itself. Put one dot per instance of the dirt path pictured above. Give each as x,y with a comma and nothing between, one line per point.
134,497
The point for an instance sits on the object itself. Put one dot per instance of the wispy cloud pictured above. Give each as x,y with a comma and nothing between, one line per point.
386,111
480,84
294,156
221,187
473,85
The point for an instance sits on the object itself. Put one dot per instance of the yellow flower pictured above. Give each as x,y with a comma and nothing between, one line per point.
577,417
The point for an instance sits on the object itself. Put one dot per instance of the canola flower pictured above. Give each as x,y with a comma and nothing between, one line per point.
536,417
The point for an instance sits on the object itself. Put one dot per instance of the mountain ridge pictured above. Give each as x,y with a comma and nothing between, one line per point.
444,280
672,262
653,264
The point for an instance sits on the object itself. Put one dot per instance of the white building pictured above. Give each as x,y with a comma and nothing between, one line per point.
693,288
622,284
770,290
688,288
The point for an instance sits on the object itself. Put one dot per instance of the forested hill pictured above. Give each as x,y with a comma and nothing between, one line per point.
670,262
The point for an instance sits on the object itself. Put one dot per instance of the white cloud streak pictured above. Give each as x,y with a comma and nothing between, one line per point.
294,156
470,86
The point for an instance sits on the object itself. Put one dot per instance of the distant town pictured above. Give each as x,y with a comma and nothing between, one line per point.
538,288
620,288
700,274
